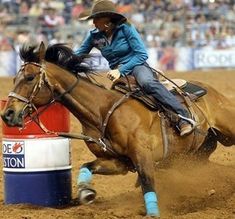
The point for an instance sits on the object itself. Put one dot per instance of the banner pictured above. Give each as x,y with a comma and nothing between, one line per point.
205,58
169,58
7,63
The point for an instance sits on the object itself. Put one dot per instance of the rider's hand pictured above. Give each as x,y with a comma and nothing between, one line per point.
113,75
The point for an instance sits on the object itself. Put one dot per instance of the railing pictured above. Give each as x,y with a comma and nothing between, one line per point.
177,59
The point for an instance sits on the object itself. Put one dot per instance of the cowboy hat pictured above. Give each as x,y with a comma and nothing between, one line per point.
84,15
103,8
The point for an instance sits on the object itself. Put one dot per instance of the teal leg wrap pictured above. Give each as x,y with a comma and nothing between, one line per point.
84,176
151,204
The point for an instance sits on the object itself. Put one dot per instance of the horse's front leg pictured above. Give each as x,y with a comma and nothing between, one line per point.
145,167
86,194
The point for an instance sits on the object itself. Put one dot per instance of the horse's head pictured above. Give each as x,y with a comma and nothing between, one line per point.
31,89
34,85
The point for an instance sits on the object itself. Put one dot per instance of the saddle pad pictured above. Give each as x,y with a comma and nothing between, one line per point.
195,89
171,85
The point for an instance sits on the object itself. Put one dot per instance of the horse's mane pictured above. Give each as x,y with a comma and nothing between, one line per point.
58,54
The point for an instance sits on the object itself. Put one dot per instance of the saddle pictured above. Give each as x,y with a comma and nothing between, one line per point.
186,92
177,87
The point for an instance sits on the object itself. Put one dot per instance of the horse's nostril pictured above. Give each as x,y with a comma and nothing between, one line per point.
8,115
11,118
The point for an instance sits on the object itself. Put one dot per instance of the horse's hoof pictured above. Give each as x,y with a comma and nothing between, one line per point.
86,196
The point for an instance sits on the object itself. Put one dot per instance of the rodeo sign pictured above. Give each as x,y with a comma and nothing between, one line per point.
205,58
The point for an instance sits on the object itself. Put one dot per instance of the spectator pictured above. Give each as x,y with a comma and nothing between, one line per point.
5,17
24,12
77,9
36,10
162,23
52,21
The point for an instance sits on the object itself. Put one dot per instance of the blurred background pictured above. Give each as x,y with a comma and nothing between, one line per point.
181,35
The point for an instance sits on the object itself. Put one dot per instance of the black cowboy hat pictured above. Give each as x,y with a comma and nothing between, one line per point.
104,8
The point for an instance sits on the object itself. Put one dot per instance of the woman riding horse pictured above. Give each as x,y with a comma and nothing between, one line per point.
131,138
121,45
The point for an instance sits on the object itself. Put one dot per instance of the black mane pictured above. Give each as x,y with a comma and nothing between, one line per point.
58,54
29,53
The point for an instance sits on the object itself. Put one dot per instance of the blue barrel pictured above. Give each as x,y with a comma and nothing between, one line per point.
37,166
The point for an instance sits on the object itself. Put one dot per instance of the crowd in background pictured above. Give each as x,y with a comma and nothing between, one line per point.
163,24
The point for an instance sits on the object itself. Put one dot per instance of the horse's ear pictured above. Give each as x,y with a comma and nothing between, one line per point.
42,51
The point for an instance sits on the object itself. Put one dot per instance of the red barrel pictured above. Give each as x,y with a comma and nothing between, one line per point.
56,118
37,165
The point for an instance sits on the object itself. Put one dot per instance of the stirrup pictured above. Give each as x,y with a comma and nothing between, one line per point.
191,121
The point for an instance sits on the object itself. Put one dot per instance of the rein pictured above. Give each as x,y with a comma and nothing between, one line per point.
102,141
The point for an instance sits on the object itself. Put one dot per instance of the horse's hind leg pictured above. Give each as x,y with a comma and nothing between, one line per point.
208,146
86,194
224,140
225,125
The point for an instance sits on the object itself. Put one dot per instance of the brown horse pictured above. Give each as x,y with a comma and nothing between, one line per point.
120,131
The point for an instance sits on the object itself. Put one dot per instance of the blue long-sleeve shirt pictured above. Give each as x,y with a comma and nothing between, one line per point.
125,51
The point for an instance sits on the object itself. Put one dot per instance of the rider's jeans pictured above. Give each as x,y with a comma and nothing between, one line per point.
152,86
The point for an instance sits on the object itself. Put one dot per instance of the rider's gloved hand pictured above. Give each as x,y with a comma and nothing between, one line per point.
113,75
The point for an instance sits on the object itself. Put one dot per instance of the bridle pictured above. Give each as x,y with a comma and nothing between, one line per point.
43,80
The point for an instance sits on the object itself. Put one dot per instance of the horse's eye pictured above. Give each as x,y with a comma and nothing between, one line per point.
29,77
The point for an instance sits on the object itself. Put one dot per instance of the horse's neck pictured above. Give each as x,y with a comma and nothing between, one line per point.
87,102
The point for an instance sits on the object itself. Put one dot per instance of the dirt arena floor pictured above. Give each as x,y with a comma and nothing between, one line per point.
186,190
